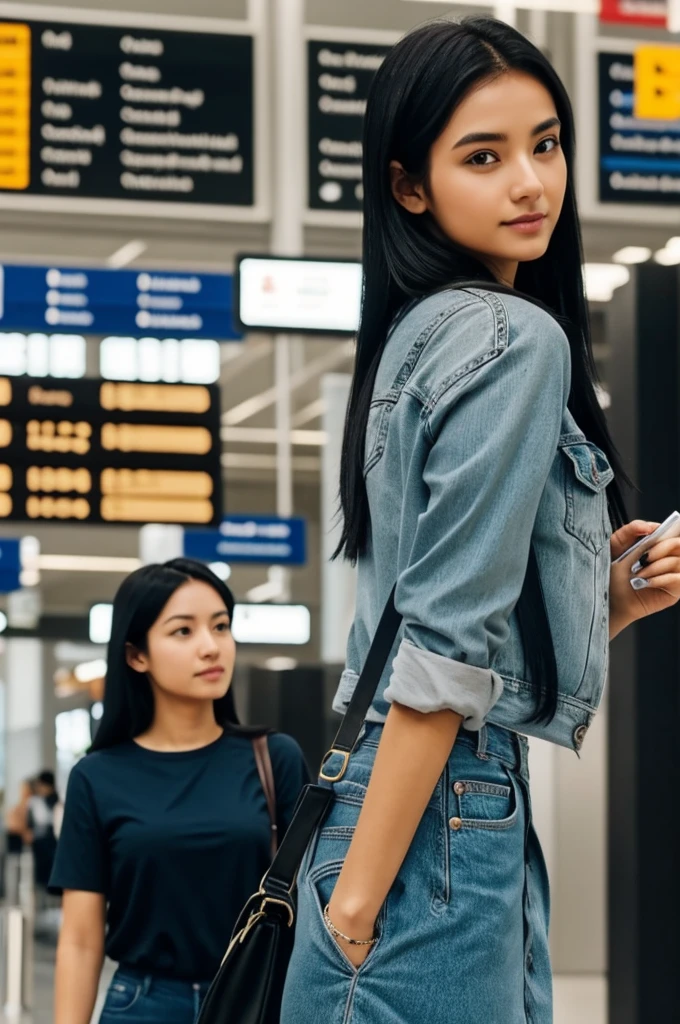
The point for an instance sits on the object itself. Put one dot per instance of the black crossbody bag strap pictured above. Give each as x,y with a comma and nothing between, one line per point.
315,800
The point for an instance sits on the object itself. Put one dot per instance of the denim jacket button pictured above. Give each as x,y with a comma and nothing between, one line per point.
459,788
580,735
455,824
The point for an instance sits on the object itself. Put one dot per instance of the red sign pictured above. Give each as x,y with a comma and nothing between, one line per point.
635,12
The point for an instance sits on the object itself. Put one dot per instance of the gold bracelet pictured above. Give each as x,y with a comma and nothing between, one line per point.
339,935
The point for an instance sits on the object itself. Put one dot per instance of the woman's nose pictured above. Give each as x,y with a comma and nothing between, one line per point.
527,185
208,644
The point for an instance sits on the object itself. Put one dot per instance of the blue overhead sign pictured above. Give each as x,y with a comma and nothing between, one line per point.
10,565
132,303
270,540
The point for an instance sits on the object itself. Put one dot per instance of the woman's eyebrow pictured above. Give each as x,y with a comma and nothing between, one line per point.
475,137
214,615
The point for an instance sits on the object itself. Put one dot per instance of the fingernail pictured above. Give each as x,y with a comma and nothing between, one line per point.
641,562
638,583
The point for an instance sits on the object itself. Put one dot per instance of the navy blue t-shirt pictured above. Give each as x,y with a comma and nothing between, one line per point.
177,842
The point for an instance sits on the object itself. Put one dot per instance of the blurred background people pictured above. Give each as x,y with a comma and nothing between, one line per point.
41,826
16,819
166,828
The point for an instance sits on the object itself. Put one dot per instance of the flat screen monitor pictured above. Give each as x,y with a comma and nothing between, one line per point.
298,295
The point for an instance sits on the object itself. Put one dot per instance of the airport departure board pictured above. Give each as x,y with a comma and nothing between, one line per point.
112,113
99,451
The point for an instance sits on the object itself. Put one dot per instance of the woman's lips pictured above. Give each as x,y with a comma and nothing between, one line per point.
529,225
212,674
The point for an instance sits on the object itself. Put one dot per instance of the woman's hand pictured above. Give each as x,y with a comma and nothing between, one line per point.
354,928
661,569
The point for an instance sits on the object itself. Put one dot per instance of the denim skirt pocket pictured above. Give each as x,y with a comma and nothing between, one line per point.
321,882
479,804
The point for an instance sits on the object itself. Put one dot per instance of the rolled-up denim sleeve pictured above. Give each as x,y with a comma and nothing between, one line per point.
493,438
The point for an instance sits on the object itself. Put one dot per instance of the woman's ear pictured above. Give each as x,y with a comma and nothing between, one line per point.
136,659
411,197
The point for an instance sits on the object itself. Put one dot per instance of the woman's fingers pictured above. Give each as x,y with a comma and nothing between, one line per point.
669,583
664,549
660,567
627,535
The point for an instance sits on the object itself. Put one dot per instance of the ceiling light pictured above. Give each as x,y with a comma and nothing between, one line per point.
87,563
280,664
601,280
87,671
126,254
269,591
673,244
570,6
101,616
632,254
3,622
667,257
221,570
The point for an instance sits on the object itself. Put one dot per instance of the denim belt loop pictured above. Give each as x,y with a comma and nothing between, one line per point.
482,740
522,755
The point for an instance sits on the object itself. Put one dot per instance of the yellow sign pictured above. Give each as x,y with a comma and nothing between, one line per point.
657,83
15,105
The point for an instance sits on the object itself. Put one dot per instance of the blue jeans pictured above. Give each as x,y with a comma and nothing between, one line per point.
463,933
136,998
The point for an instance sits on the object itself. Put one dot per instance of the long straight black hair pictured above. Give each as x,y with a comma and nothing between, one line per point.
420,84
128,697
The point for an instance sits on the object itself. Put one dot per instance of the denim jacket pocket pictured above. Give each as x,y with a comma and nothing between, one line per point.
587,474
376,433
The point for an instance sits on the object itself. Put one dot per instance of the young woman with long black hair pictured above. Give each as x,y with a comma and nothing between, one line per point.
477,477
166,829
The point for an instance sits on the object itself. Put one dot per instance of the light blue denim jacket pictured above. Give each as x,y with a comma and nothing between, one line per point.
472,456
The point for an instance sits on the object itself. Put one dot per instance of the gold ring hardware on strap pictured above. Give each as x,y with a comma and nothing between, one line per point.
344,754
254,918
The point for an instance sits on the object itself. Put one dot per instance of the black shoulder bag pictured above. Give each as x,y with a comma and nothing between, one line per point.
248,987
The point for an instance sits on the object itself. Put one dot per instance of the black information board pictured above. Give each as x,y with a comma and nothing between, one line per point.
639,160
103,112
97,451
339,77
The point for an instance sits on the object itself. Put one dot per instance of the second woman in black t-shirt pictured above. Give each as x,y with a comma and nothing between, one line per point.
166,830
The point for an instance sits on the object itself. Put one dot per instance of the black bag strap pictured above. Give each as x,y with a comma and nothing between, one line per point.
314,801
364,692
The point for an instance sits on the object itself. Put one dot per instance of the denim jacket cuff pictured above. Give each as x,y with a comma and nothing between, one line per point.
427,682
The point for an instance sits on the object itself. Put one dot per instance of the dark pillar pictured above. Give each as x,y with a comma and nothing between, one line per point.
643,330
297,701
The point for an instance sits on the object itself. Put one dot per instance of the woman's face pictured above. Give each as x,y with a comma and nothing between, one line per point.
190,650
497,175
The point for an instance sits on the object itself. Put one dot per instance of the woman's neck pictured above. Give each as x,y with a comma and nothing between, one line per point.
180,727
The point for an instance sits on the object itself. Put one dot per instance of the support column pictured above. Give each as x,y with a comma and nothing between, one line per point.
338,579
23,717
287,21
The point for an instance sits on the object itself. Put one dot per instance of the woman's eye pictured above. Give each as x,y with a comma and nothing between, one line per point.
182,631
222,627
484,159
547,145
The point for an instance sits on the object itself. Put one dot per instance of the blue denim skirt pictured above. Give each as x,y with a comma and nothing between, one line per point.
463,934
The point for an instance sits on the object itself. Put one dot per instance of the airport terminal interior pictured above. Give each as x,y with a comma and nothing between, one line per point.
180,283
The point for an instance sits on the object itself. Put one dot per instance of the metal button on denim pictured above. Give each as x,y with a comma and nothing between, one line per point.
580,735
455,824
459,788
